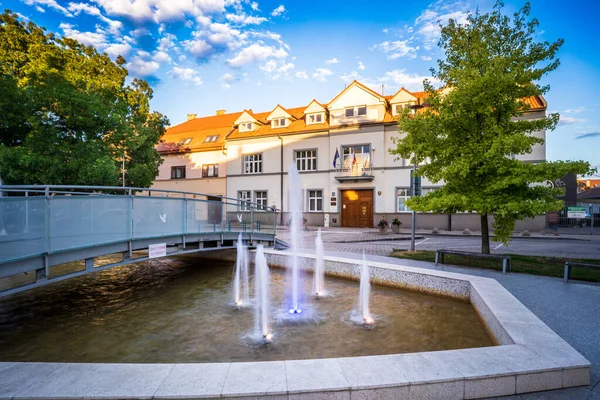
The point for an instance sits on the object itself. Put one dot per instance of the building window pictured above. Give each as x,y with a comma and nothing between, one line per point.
356,155
361,111
253,164
212,138
350,112
245,199
315,118
278,123
185,142
246,126
210,170
178,172
400,107
306,160
315,200
402,195
260,198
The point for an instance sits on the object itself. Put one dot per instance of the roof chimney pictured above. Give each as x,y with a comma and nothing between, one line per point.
191,116
220,112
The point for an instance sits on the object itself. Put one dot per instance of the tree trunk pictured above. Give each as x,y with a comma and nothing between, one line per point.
485,235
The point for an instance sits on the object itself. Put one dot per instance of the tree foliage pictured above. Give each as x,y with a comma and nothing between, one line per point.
67,115
472,130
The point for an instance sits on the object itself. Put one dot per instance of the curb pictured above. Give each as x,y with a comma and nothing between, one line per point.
376,240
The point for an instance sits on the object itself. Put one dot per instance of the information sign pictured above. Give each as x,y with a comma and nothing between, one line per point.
576,212
157,250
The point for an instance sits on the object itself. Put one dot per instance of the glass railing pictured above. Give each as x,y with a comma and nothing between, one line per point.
44,219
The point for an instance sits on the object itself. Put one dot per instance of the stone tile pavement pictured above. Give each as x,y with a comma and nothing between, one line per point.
572,310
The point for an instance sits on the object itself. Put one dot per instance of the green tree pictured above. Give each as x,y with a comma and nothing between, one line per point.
67,115
468,135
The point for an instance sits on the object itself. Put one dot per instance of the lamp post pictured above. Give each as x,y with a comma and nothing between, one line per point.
123,168
414,214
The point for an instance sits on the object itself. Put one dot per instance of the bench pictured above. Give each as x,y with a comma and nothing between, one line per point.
569,264
505,259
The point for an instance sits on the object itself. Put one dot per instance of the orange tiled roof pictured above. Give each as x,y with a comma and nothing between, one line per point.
223,125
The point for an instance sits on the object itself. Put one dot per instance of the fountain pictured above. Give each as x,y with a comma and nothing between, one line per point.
365,292
319,280
241,286
262,295
295,201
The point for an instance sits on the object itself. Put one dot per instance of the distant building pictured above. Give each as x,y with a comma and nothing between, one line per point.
341,147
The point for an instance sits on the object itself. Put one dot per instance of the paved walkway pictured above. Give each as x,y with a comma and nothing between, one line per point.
572,310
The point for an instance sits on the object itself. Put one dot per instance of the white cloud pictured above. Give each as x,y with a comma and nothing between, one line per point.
162,10
77,8
570,120
40,9
243,19
397,49
186,74
255,53
427,25
48,3
161,57
97,39
277,69
400,77
254,6
278,11
301,75
577,110
226,80
199,48
426,58
349,77
321,74
332,61
361,66
118,49
385,30
141,67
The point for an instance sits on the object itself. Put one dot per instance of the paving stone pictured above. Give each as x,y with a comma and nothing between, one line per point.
117,381
386,393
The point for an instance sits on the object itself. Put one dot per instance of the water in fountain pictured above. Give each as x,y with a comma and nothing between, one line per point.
241,286
365,292
319,266
295,201
262,294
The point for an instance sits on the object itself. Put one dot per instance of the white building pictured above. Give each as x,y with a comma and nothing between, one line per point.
247,155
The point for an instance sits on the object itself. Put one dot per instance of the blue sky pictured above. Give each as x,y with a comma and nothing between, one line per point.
204,55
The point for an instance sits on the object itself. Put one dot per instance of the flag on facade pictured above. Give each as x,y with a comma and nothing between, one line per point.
336,158
367,161
353,158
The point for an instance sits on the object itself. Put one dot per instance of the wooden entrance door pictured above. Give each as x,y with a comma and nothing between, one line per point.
357,208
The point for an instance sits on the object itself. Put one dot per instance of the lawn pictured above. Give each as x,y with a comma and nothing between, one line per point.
535,265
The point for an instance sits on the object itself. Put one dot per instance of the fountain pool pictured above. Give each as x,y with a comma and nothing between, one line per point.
180,311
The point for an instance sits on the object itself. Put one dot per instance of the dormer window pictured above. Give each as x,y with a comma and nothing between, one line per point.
246,126
278,123
400,107
185,142
315,118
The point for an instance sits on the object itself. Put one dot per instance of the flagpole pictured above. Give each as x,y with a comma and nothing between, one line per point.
414,215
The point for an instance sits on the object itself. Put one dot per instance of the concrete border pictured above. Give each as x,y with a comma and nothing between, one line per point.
530,358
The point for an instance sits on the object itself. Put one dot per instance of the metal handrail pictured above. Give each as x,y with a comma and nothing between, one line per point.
128,189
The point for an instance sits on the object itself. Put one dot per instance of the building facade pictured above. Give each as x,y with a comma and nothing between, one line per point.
340,149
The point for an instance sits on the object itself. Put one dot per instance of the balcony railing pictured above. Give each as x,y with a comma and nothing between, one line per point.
356,172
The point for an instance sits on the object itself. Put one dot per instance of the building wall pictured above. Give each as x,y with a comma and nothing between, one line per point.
194,182
389,172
